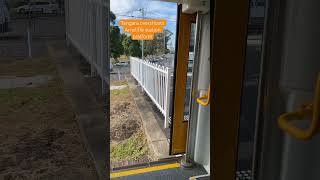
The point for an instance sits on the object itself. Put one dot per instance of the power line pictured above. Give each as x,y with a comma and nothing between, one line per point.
140,17
165,17
128,11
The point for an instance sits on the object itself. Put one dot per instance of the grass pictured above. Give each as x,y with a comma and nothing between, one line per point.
27,67
119,91
130,149
36,95
119,83
44,103
14,97
22,99
30,116
136,146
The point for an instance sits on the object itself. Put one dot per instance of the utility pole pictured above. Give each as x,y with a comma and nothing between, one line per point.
164,42
142,49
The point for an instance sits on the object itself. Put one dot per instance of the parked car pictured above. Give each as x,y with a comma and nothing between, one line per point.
154,60
122,64
38,7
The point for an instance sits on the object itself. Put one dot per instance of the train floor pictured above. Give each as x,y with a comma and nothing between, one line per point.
170,170
166,171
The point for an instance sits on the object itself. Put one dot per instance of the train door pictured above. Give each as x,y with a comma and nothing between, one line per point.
229,34
236,56
286,128
288,140
182,83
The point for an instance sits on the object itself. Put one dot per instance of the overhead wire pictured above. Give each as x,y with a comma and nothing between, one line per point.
140,17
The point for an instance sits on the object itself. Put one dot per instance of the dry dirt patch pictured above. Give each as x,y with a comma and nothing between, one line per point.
126,125
39,137
128,140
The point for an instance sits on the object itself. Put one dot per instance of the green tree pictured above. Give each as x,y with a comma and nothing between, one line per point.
135,49
126,41
112,18
150,47
157,45
168,34
116,47
131,47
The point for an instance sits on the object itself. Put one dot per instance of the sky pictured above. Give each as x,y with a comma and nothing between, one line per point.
129,9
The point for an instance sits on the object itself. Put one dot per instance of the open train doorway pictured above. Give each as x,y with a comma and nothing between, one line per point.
169,86
142,73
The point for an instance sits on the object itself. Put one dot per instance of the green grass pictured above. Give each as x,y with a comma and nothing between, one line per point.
37,107
41,95
119,83
129,149
27,67
49,98
119,91
35,95
18,96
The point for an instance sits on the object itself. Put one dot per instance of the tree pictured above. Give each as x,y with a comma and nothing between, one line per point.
112,18
131,47
157,45
126,41
116,47
168,34
135,49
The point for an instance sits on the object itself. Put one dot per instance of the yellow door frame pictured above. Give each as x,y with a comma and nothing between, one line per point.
228,52
179,126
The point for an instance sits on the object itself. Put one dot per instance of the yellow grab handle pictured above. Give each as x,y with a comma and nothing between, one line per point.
309,111
205,99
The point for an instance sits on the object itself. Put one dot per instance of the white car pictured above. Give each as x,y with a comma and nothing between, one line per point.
122,64
38,7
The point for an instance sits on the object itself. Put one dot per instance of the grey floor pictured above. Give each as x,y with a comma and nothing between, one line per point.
168,174
180,174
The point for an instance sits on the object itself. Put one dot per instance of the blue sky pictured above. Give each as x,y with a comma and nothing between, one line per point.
129,9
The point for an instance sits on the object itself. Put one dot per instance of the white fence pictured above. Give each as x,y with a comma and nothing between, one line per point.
87,30
155,80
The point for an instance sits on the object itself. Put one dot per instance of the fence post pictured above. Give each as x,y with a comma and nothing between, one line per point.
167,99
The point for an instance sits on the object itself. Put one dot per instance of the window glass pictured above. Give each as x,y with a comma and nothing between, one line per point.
250,91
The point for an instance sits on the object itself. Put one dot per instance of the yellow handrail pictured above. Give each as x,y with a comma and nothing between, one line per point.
205,99
310,111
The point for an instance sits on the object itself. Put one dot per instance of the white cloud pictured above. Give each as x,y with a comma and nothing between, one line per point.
124,9
120,6
153,9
